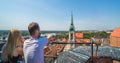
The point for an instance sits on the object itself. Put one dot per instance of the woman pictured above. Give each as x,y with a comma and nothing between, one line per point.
13,47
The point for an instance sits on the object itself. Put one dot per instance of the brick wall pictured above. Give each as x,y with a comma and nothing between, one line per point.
115,41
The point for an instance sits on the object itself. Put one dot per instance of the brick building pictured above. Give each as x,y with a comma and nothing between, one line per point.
115,37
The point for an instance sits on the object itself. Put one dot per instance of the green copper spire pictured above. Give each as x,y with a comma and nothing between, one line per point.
72,19
72,28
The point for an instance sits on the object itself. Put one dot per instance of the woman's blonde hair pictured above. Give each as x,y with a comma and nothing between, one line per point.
12,42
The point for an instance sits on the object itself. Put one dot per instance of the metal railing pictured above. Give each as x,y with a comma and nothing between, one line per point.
90,43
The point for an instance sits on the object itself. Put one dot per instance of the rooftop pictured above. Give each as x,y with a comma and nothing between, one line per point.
116,32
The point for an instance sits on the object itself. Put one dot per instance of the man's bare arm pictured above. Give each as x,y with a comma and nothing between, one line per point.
49,36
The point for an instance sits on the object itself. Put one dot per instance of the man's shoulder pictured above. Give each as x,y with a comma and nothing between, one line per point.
27,40
30,43
30,40
42,39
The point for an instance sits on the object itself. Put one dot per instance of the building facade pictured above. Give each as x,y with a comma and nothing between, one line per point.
115,37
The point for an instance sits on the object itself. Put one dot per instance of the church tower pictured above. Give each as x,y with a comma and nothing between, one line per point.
71,35
71,30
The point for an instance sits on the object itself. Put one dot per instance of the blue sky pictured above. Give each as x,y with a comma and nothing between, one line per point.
55,14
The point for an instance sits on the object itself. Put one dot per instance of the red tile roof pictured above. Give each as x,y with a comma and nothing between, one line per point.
116,32
83,40
86,40
79,35
78,40
64,40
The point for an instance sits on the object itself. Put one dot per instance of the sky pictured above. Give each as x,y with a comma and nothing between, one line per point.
56,14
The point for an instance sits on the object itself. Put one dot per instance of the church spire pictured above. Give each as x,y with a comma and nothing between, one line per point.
72,24
72,18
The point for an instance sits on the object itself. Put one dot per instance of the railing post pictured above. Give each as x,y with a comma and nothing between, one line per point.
92,52
75,44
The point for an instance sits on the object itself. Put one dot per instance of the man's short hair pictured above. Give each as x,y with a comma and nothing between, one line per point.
32,27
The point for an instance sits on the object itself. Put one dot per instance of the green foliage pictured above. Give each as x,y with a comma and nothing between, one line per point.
86,35
62,35
101,34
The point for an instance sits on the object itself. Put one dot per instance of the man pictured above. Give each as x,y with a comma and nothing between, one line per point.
34,47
